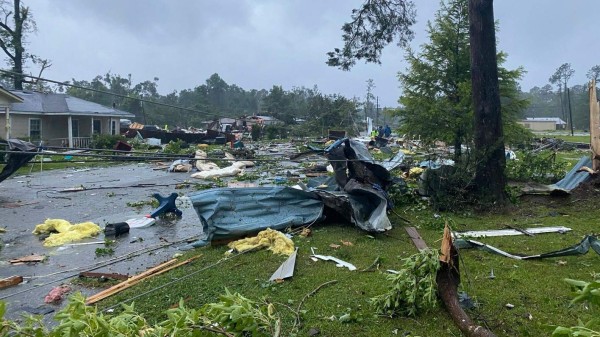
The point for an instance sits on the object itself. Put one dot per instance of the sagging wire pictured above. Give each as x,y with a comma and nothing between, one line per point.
94,266
128,300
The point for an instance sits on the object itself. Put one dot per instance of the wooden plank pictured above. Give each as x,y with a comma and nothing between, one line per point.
28,258
137,279
10,281
416,238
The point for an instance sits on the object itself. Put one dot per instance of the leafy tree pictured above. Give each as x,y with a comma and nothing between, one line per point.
17,23
377,23
561,76
437,86
594,73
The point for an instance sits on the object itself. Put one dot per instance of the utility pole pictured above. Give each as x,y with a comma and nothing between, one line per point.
377,112
570,112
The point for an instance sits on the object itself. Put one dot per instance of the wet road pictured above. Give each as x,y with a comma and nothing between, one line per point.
26,201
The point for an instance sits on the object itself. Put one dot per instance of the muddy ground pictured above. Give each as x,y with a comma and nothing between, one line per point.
26,201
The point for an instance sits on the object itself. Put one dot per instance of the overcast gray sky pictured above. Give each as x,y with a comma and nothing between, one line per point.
256,44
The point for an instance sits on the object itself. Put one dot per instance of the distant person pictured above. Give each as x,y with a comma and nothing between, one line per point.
373,133
380,131
387,131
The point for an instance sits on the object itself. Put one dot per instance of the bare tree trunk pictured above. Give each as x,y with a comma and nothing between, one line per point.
17,40
489,138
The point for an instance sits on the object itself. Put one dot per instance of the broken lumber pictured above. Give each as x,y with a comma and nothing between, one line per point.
162,268
448,279
10,281
28,258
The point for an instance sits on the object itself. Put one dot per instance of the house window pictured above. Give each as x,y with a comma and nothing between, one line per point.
96,126
75,128
35,129
113,127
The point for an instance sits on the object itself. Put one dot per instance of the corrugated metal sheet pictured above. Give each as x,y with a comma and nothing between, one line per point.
574,178
235,212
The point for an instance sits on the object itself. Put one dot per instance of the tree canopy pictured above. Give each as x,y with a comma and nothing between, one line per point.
437,85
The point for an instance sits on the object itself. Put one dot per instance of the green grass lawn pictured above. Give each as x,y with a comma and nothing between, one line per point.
534,287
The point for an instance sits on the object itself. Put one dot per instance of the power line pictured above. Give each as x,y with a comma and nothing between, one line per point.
105,92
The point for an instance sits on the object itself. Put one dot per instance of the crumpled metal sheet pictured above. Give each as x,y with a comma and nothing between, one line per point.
579,249
235,212
571,181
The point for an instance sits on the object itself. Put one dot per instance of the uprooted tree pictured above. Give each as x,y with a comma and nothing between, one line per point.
379,22
16,23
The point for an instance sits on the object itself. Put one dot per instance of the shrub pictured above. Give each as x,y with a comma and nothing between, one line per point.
105,141
176,147
542,167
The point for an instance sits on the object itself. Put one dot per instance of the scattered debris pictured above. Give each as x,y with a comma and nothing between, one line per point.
286,270
56,294
10,281
165,205
334,246
33,258
338,262
509,306
116,229
140,222
273,240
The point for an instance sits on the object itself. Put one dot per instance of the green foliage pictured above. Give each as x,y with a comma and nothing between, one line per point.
449,187
101,141
233,315
437,85
241,316
272,132
541,167
177,147
588,292
414,289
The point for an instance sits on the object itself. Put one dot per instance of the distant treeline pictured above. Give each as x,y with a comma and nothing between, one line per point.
216,98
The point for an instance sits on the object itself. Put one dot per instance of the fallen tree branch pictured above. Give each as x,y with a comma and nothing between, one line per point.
448,278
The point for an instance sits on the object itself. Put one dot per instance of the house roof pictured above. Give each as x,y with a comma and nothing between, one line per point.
62,104
9,95
556,120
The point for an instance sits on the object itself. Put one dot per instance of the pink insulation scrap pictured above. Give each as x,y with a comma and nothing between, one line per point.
56,295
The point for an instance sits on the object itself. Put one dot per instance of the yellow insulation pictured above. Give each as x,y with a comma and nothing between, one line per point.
63,232
273,240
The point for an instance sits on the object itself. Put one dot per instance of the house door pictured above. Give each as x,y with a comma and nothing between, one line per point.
75,127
